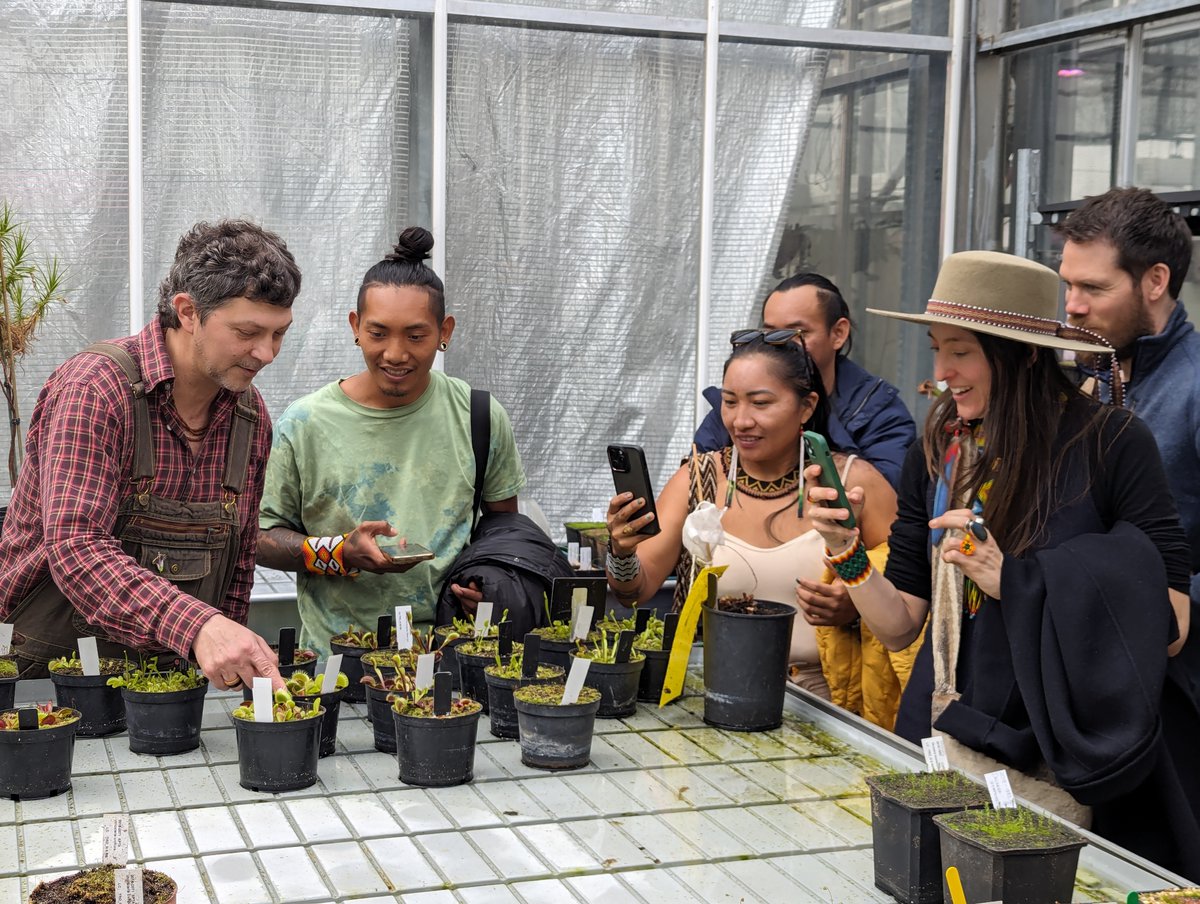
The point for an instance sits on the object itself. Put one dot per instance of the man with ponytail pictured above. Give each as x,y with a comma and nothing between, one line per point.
381,456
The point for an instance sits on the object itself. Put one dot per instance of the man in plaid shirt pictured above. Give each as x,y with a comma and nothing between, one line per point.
135,516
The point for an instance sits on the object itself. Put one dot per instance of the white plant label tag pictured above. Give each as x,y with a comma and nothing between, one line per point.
425,670
88,655
573,552
128,885
583,623
404,638
5,638
264,699
578,600
585,558
333,665
483,619
935,754
597,515
114,839
1000,790
579,670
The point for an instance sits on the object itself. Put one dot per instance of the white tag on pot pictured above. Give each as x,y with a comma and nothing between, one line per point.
404,638
264,699
579,670
573,552
333,665
128,884
88,655
5,638
483,619
1000,790
935,754
597,515
585,558
425,670
114,839
578,600
583,623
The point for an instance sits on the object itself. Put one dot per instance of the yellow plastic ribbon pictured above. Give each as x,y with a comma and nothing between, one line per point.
704,588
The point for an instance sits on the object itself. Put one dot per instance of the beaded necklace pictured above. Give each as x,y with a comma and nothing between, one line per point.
761,489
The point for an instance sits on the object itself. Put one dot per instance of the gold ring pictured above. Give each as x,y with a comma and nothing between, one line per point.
628,529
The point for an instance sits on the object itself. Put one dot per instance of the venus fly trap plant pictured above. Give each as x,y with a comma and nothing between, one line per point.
604,649
71,665
284,709
301,684
365,640
48,716
147,679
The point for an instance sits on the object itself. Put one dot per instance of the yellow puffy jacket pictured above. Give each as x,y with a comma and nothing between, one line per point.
863,675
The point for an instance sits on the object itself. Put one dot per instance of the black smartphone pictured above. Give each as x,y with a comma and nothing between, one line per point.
630,475
818,452
562,593
409,554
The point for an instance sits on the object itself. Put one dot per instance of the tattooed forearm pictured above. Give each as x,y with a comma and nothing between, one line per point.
281,548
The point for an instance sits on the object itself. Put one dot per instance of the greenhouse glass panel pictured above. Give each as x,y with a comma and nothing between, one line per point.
925,17
1169,108
690,9
1038,12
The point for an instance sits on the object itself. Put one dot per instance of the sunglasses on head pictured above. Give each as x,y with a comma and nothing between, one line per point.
770,337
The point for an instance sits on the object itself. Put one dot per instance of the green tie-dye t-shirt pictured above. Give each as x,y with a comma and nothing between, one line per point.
335,464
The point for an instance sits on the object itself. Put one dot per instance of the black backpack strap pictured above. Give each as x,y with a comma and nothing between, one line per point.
481,442
143,444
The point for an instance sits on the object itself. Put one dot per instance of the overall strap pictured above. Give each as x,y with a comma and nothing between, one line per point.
237,452
143,443
481,441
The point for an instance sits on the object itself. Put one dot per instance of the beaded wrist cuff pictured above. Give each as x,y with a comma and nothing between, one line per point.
323,555
852,566
623,568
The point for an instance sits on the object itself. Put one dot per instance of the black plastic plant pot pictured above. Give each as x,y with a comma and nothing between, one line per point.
1014,874
278,756
307,666
353,668
745,665
472,682
102,707
617,683
436,751
331,703
501,708
907,849
164,723
37,762
654,673
556,736
379,712
556,652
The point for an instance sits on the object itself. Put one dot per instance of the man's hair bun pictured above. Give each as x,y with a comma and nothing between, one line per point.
413,246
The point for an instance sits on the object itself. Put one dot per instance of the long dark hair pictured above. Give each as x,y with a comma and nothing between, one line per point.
791,364
1029,395
405,267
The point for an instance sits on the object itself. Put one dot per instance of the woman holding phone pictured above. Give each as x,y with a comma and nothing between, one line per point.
771,393
1037,533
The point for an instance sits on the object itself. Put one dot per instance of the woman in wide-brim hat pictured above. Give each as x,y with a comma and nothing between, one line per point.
1037,535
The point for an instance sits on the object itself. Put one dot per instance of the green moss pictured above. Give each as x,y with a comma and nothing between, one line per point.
391,659
1174,896
8,668
513,669
560,632
930,789
1008,829
70,665
423,708
485,647
551,694
97,886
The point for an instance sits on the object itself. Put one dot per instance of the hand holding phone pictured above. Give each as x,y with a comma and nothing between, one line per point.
818,453
408,554
630,475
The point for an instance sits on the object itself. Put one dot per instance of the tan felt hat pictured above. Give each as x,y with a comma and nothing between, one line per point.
1002,295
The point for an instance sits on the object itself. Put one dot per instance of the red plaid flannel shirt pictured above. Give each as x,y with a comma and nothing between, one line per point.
79,453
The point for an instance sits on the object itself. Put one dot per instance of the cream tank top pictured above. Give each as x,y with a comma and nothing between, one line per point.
770,573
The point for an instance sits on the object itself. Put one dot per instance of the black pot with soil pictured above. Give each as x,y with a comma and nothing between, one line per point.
163,710
102,707
557,645
279,755
98,885
746,645
331,705
1010,855
8,682
501,682
906,843
473,657
436,751
555,735
352,644
617,682
36,750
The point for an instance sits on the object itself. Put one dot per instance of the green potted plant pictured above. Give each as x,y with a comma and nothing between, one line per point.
36,749
280,755
555,735
473,657
907,852
163,709
97,886
435,750
8,682
615,677
1012,855
389,660
28,289
557,643
746,644
103,707
306,690
379,689
352,644
505,677
650,643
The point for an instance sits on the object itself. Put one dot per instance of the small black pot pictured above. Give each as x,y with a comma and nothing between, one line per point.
36,763
102,707
309,667
278,756
436,752
556,737
654,673
471,678
556,652
164,723
617,683
500,700
353,669
332,704
1012,876
379,712
745,666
